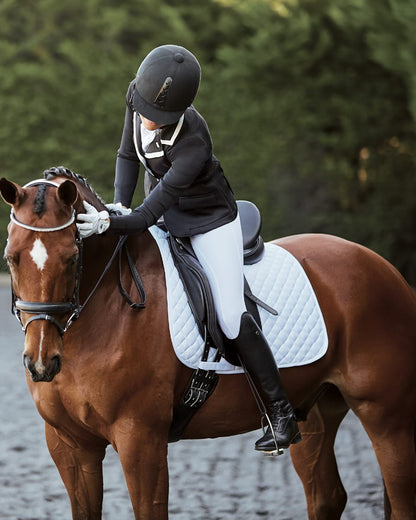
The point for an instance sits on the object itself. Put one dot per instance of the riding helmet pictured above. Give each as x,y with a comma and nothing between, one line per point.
166,84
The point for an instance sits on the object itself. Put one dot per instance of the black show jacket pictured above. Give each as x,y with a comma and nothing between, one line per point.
186,183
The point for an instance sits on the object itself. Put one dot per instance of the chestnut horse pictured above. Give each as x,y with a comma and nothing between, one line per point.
112,376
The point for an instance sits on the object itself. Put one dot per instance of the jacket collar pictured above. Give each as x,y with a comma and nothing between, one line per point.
167,136
171,132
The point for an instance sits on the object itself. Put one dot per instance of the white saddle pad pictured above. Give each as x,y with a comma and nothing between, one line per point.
297,336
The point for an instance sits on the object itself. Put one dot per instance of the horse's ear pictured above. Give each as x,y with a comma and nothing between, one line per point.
10,191
68,192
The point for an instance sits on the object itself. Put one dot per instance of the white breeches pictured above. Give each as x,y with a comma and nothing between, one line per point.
220,253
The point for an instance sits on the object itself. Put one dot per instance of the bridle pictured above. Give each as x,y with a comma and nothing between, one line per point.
47,310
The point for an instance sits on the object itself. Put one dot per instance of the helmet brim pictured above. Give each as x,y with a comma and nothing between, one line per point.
161,117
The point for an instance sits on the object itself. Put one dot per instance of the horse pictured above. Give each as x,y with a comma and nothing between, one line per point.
106,373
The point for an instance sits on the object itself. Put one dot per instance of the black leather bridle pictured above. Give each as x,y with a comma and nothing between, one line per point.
48,310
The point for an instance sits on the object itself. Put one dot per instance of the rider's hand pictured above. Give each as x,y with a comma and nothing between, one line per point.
118,209
92,221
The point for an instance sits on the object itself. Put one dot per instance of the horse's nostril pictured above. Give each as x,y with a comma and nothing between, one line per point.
27,363
30,367
56,364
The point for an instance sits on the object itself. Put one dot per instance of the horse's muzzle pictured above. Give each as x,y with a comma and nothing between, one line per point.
39,373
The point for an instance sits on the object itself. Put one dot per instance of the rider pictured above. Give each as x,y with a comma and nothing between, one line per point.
185,184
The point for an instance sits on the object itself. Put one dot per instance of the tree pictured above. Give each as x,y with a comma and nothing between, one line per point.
311,104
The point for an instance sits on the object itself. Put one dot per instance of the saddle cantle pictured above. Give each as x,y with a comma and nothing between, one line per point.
250,219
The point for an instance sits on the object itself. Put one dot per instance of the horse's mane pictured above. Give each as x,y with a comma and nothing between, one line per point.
61,171
39,202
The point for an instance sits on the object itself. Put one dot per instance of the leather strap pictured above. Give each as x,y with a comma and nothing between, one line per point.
136,278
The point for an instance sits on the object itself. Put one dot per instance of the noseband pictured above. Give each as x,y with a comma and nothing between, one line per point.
47,310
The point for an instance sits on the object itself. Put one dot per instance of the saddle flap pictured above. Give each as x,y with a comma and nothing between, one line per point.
197,288
199,295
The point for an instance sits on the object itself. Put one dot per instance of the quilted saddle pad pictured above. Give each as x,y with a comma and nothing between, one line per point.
297,335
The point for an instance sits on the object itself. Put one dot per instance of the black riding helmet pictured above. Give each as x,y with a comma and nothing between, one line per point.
166,84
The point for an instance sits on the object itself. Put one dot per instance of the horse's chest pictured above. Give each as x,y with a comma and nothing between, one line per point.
66,411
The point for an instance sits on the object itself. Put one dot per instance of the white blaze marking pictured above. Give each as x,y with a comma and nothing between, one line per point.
39,254
40,369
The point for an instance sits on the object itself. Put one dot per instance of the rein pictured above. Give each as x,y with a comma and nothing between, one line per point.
47,310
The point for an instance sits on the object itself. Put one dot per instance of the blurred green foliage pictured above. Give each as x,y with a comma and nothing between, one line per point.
311,103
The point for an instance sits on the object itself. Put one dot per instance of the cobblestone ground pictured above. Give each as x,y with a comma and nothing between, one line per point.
219,479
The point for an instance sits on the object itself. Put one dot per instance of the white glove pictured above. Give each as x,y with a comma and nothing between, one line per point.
93,221
118,208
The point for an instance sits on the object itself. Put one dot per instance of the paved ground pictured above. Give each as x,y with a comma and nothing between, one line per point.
209,480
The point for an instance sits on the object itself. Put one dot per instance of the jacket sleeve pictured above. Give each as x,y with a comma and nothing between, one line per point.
129,224
127,162
127,173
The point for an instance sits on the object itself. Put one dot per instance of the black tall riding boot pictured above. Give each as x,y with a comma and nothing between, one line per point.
256,356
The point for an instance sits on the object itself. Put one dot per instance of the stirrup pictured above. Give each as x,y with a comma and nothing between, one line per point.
277,451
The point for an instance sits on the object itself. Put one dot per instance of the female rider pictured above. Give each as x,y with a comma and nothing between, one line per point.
185,184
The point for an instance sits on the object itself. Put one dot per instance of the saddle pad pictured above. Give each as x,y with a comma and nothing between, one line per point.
297,336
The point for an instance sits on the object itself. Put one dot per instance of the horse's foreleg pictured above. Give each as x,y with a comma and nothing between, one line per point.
143,456
314,458
81,471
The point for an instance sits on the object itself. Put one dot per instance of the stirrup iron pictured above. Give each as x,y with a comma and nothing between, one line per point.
278,451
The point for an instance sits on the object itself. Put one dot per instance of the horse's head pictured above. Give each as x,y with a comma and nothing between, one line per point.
42,255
